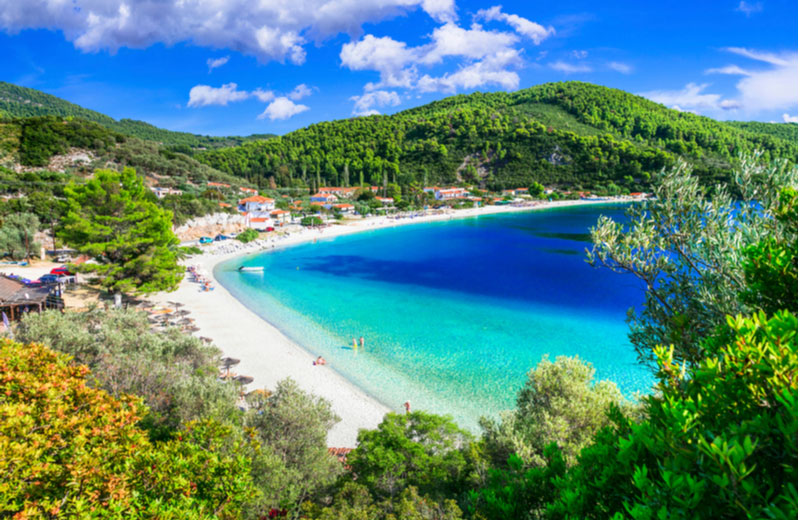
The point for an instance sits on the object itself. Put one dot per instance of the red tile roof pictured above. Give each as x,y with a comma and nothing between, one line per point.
255,198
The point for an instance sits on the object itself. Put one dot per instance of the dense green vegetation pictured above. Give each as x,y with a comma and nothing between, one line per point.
112,219
572,135
22,102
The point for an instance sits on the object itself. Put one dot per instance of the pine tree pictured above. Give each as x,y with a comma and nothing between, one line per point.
111,219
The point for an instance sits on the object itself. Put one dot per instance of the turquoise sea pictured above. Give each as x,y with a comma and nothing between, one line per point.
453,313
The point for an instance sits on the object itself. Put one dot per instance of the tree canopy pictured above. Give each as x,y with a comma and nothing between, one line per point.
112,219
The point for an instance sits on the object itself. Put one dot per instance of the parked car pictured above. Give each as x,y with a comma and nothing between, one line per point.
206,240
221,237
49,278
270,229
61,271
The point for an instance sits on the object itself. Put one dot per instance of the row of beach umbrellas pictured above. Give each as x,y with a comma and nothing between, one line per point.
174,315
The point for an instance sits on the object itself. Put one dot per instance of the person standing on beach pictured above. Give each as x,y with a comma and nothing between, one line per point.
361,339
355,345
407,406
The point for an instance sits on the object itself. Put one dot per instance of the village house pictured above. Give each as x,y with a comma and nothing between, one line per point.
217,185
280,215
345,208
386,201
325,198
256,204
258,223
251,191
163,192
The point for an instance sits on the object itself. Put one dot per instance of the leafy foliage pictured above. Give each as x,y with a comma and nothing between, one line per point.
292,426
354,502
17,235
175,374
559,404
770,267
689,249
70,450
111,219
718,441
248,235
414,449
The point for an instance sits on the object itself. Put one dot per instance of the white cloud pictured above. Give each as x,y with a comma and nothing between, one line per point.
789,119
760,89
387,56
622,68
440,10
270,30
364,104
265,96
492,70
748,8
218,62
690,98
728,69
204,95
487,57
475,43
579,55
282,108
299,92
773,88
569,68
536,32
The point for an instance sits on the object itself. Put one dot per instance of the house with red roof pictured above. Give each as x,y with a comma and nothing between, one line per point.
256,204
345,208
325,198
280,215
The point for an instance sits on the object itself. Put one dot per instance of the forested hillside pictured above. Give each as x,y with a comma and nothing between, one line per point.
21,102
32,143
570,134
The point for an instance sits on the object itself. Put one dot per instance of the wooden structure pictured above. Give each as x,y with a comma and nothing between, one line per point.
17,298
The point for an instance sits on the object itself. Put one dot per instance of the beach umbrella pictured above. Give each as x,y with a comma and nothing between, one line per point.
193,329
205,339
145,305
245,380
185,321
183,312
228,362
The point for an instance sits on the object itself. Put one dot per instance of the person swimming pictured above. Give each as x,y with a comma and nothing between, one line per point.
320,361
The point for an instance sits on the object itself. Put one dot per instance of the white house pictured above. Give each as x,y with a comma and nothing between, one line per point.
162,192
280,215
325,198
256,204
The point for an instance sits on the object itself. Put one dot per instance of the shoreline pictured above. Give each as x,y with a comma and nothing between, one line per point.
266,353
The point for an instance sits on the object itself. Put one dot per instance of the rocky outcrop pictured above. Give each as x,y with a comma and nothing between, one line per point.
211,226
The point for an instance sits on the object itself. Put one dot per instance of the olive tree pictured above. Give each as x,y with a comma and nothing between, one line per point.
688,246
559,403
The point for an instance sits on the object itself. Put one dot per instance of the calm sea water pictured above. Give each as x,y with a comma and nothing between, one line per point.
454,313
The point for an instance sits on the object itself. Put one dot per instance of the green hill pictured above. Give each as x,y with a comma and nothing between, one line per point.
22,102
569,134
33,142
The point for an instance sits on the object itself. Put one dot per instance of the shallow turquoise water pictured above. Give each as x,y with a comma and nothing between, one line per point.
454,313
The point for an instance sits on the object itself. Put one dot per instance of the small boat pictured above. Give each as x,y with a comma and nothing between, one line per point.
254,269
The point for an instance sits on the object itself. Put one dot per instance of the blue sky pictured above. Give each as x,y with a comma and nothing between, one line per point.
236,67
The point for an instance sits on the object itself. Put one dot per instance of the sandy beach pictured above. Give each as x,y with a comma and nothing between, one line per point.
268,355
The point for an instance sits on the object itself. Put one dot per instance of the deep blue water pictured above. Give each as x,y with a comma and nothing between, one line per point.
454,313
